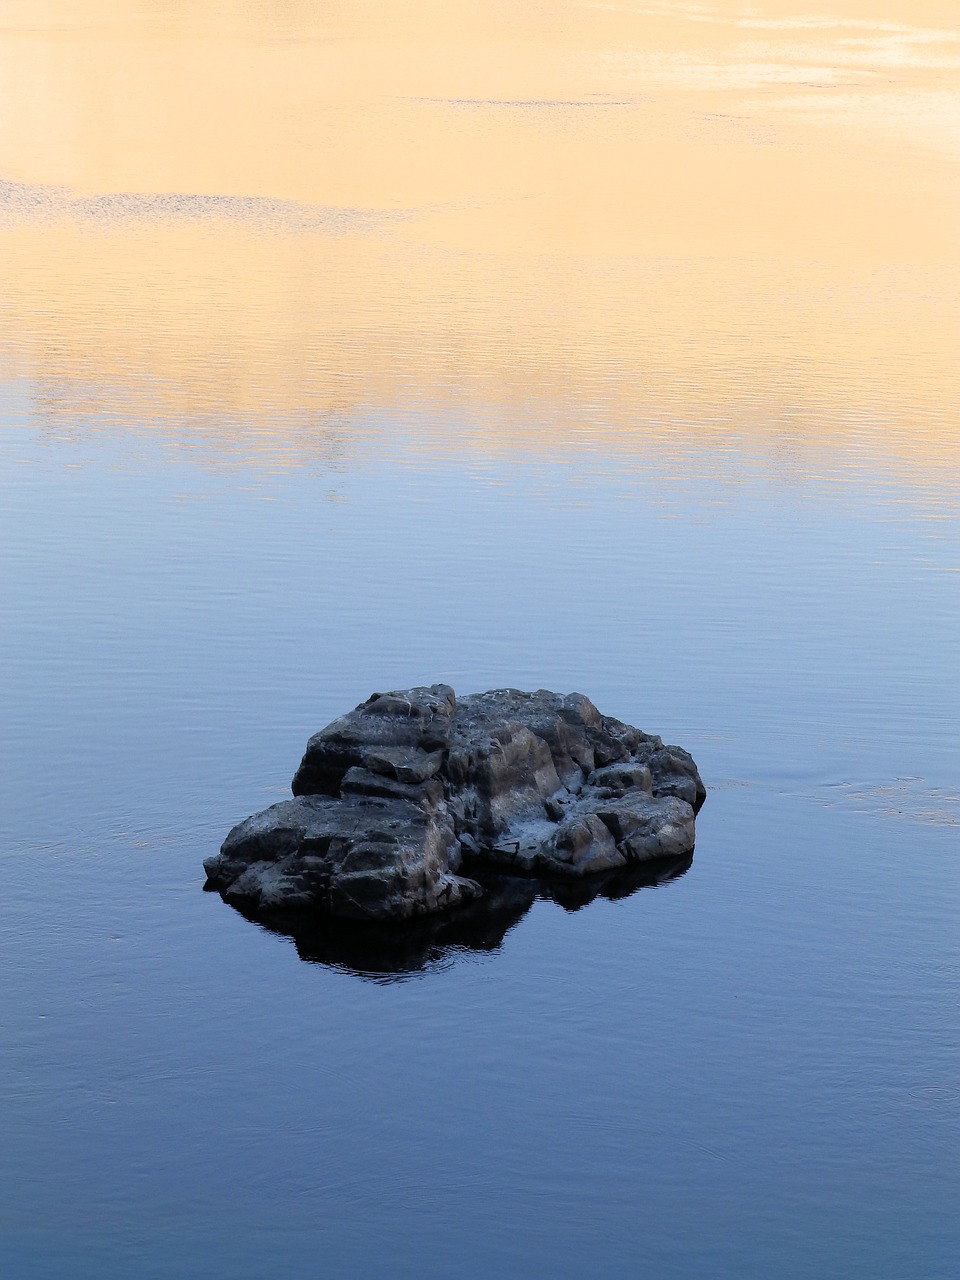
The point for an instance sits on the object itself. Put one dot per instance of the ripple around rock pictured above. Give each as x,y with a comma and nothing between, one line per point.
403,806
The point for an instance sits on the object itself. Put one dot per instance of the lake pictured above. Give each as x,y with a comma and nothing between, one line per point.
596,347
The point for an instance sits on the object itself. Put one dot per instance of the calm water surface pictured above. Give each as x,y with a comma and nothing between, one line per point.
596,347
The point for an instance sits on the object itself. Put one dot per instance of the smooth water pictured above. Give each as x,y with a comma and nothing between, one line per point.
605,348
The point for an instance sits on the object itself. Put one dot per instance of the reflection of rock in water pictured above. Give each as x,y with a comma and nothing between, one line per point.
402,805
393,951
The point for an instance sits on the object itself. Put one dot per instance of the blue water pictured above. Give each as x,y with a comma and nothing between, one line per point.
749,1071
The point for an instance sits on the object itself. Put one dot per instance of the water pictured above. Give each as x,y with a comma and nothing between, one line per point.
605,349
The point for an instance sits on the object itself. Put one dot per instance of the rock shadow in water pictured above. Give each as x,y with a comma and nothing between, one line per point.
391,952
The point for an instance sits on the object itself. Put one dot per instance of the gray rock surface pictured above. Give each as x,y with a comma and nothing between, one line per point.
395,802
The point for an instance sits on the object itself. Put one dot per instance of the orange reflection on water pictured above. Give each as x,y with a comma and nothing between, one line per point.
628,219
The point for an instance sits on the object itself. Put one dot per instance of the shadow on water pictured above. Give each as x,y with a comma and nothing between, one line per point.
393,952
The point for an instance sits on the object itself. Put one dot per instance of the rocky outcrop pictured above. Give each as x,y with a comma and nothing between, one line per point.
398,804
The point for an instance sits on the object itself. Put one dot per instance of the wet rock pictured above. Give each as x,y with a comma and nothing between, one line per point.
396,799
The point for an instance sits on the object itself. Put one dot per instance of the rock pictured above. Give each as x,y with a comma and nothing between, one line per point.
370,856
398,797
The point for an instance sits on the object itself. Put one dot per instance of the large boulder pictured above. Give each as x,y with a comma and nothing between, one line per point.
397,801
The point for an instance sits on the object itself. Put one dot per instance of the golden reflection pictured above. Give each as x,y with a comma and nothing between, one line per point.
637,220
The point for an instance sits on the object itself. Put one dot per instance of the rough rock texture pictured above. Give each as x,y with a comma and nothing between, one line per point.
399,798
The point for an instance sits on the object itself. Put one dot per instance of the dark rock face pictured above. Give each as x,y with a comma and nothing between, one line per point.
398,801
